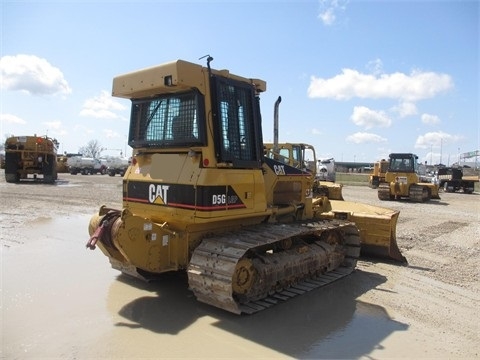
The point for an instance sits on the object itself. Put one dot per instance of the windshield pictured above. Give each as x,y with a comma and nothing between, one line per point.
403,163
172,120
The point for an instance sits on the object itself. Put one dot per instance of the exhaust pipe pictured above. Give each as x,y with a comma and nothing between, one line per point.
275,125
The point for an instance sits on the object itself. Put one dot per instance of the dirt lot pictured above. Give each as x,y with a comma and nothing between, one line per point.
60,300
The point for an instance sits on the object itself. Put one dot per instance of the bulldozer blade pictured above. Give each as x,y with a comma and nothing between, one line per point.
377,226
332,190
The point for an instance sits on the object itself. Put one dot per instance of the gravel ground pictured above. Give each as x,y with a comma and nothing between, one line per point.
436,297
440,237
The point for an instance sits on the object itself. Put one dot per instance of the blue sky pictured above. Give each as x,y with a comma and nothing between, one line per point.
358,79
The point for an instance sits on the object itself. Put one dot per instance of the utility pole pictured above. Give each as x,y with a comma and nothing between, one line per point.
441,144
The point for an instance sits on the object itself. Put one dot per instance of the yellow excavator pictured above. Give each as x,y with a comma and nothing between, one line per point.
200,196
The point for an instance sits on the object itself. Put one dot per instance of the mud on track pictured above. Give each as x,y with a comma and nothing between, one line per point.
60,300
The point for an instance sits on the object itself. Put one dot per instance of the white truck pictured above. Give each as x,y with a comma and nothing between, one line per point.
86,166
117,165
326,170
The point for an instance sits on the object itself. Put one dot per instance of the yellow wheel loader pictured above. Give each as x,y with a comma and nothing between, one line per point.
200,196
402,180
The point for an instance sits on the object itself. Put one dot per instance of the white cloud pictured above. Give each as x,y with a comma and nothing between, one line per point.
111,134
363,116
363,137
430,158
32,75
351,83
405,109
102,107
316,131
11,119
82,129
437,139
55,128
58,132
53,124
375,66
327,16
430,119
328,10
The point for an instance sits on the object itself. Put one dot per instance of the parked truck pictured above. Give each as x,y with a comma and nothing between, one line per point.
452,179
86,165
117,165
31,157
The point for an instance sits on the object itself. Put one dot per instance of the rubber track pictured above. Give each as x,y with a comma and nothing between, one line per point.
214,261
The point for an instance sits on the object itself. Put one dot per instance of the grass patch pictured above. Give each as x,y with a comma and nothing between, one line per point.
352,179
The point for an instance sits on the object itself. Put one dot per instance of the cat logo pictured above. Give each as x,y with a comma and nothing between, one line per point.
157,194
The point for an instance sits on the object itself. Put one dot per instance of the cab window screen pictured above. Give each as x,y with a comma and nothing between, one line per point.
167,121
236,127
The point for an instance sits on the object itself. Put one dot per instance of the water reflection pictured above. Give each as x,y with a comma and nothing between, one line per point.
325,323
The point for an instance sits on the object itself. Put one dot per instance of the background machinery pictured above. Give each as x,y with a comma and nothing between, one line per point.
378,175
28,157
86,165
116,165
402,180
377,225
199,196
62,161
452,179
326,169
302,156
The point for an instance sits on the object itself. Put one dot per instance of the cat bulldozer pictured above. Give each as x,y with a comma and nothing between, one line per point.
403,182
378,175
302,156
31,158
377,225
200,196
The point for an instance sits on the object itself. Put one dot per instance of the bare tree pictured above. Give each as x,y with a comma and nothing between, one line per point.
92,149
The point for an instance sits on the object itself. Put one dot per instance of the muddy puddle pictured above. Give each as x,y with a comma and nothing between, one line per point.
60,300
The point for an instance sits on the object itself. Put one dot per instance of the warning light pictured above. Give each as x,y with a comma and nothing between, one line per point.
39,140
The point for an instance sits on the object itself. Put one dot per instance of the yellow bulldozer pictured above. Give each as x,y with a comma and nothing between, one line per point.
378,174
403,182
302,156
200,196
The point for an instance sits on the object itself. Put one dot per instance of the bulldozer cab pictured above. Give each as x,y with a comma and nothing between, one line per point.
406,163
300,156
182,100
380,168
